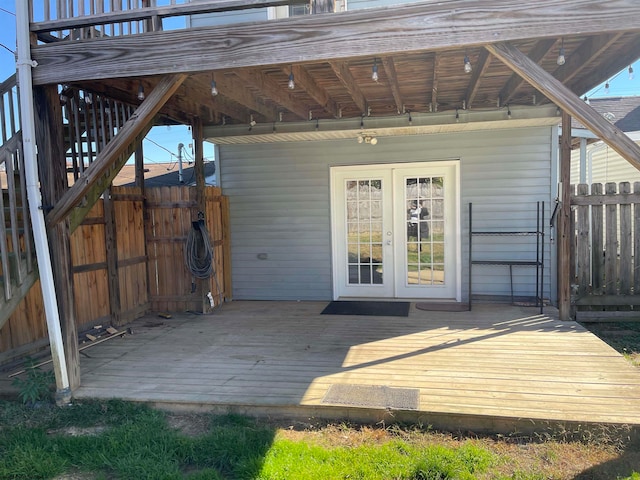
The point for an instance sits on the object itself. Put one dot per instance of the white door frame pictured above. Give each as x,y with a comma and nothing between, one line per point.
338,173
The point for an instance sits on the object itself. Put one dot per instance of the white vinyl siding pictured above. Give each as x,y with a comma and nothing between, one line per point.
280,205
604,165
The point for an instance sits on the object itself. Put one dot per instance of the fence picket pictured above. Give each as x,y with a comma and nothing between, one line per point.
583,263
611,243
626,241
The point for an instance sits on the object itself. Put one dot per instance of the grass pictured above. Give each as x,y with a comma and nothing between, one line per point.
623,336
120,440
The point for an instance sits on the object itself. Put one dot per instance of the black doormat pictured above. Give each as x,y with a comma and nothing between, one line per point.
372,309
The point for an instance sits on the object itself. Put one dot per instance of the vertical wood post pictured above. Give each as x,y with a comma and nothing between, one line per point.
52,164
113,278
196,129
139,157
564,222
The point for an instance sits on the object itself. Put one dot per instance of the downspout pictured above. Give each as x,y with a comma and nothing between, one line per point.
27,122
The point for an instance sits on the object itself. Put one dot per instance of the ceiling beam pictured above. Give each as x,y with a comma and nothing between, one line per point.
116,147
341,69
273,90
315,91
404,28
567,100
592,47
536,54
392,79
483,63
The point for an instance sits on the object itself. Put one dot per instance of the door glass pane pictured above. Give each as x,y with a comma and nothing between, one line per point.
424,240
364,231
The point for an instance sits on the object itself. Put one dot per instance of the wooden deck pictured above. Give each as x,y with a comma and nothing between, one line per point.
497,368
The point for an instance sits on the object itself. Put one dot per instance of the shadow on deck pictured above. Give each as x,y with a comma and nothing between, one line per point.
497,369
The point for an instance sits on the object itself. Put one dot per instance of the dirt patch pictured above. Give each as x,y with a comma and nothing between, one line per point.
189,424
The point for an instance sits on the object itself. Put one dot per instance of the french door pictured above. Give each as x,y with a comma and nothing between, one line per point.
395,231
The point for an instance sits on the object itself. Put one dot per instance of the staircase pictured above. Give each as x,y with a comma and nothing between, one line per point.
18,270
90,123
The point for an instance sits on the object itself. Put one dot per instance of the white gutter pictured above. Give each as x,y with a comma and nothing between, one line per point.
27,115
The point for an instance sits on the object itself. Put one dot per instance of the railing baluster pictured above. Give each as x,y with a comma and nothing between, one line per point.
25,213
4,246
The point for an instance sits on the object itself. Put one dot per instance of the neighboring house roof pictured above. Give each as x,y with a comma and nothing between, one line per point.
165,175
623,112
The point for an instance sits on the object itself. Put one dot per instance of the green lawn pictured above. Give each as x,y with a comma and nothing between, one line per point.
120,440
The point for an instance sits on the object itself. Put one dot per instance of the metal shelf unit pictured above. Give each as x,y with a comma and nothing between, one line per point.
538,263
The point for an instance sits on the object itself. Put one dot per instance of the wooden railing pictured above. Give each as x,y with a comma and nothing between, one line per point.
606,248
17,258
54,20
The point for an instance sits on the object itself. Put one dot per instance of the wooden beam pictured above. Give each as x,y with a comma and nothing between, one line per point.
116,147
392,79
568,101
538,52
78,214
431,24
482,65
564,222
113,277
230,87
272,89
341,69
52,163
315,91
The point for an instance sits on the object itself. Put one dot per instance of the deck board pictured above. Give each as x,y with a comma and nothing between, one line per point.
494,367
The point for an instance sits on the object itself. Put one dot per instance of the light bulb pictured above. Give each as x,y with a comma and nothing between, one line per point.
631,76
292,83
374,72
140,92
214,88
467,65
561,60
606,88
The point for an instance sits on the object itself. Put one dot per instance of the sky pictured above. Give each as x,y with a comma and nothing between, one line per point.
161,145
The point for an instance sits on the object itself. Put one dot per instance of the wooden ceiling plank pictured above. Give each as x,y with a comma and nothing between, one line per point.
319,94
273,90
483,63
313,38
231,88
515,82
392,79
567,100
117,146
341,69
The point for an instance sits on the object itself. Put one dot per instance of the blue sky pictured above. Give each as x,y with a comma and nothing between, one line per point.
162,146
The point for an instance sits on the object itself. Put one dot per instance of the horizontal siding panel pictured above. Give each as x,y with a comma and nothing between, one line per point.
280,206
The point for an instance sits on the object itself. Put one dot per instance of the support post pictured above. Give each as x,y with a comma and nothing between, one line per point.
196,129
564,222
112,258
27,115
139,158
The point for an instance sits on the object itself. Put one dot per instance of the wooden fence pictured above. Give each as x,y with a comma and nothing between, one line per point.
606,223
144,272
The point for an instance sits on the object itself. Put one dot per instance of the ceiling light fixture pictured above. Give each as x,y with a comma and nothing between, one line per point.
292,83
374,70
140,92
561,59
467,65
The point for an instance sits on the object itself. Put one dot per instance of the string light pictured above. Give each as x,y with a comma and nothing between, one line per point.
467,65
561,60
631,76
214,87
374,70
140,92
606,88
508,112
292,83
